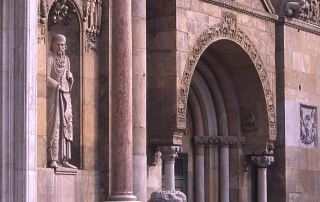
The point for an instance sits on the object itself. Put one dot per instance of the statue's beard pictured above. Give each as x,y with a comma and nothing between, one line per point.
60,53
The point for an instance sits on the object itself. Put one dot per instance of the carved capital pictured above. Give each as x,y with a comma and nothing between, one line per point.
223,141
170,196
170,153
262,161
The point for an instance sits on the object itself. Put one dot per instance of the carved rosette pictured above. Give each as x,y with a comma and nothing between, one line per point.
170,153
226,29
262,161
168,196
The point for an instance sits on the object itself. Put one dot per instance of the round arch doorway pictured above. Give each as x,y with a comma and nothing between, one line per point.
227,122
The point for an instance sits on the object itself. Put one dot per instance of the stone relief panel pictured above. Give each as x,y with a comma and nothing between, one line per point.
249,121
226,29
306,10
308,124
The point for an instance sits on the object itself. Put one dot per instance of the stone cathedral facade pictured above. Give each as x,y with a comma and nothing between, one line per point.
159,100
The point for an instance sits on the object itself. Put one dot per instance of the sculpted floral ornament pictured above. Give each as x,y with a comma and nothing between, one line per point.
226,29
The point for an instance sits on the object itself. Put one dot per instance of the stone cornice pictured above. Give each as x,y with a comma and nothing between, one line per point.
243,9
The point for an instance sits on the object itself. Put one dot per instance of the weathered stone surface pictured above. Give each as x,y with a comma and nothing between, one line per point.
168,196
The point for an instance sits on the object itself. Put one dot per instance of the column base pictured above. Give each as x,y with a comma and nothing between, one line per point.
168,196
122,198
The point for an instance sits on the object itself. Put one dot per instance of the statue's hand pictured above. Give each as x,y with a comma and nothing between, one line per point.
69,76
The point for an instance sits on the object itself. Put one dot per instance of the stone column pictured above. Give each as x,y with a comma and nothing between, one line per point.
262,162
224,172
139,53
169,154
199,174
121,103
18,88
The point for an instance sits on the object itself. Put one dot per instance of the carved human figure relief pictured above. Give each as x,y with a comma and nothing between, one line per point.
308,124
59,121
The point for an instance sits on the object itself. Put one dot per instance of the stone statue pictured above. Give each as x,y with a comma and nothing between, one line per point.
59,85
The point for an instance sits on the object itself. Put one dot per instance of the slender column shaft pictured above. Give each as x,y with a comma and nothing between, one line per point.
169,175
121,124
262,162
139,65
224,174
262,184
199,175
169,154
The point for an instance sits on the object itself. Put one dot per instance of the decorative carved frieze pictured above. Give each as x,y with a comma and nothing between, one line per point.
308,124
168,196
61,11
306,10
223,141
92,13
262,161
43,11
170,153
226,29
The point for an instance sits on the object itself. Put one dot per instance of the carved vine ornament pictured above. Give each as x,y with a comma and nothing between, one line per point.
306,10
226,29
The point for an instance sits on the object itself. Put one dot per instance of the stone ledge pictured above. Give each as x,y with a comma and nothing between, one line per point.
65,171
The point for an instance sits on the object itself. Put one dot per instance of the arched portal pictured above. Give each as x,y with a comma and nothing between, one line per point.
226,105
226,29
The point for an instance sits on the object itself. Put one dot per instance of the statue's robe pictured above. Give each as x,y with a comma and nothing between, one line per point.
59,124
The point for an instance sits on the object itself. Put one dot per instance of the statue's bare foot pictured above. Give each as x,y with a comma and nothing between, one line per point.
54,164
68,165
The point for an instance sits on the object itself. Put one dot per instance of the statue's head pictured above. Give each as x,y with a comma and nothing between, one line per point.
58,44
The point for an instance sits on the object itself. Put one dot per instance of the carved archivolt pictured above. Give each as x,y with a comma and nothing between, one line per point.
226,29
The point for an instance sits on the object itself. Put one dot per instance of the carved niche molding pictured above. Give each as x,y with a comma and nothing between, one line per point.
308,124
306,10
92,13
226,29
